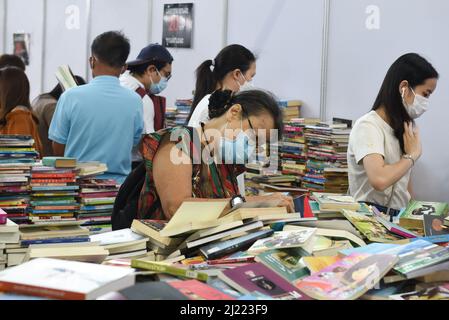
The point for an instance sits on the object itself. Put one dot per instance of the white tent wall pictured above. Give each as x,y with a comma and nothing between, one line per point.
29,20
2,25
286,35
65,38
359,58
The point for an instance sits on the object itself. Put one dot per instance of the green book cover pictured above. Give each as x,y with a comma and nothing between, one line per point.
413,215
287,263
160,267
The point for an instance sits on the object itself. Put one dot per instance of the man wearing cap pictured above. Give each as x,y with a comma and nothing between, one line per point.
148,75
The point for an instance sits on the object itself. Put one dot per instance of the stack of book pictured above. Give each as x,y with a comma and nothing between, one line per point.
291,109
17,155
68,280
54,193
293,151
326,169
170,117
122,244
183,107
97,199
9,236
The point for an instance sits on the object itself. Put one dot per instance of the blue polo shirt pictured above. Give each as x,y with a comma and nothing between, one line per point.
100,121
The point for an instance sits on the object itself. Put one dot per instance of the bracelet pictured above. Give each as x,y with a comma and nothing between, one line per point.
409,157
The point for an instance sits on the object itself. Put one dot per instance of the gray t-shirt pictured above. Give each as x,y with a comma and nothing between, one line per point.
372,135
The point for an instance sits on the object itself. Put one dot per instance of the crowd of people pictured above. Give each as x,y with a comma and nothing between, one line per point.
118,118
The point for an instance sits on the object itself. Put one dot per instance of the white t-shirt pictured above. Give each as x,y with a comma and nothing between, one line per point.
201,113
372,135
128,81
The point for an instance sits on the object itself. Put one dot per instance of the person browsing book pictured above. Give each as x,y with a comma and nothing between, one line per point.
100,121
203,163
148,76
233,69
16,115
385,144
44,106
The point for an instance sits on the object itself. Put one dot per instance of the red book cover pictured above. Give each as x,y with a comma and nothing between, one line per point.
53,175
53,180
196,290
308,213
258,278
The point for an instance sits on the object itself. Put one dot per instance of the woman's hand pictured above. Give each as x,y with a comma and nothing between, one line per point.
284,201
412,141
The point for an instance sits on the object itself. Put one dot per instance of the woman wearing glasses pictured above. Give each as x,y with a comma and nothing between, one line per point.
204,162
148,76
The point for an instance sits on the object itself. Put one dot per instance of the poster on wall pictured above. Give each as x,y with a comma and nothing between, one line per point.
178,25
22,46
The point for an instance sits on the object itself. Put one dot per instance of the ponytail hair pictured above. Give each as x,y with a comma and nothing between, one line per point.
211,72
253,102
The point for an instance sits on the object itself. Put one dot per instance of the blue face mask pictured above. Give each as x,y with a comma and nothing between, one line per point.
157,88
238,151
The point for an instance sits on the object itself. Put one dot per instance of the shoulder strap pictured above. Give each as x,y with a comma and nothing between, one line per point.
141,92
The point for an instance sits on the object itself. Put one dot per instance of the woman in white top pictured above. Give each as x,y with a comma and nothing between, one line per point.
233,69
385,144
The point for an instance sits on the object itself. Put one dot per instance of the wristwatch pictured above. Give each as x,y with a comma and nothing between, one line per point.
409,157
237,200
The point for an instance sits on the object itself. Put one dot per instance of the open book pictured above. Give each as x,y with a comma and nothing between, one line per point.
65,77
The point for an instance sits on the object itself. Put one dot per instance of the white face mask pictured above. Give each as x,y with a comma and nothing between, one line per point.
418,108
247,85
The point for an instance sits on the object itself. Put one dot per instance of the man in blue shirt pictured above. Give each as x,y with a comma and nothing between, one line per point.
100,121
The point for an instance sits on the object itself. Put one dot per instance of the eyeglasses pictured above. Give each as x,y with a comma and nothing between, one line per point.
256,138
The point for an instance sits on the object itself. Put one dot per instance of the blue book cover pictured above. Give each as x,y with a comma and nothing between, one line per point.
55,240
434,239
53,188
374,248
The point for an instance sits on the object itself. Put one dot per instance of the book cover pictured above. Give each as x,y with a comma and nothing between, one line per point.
286,262
195,290
152,291
257,277
178,270
316,264
349,278
413,216
63,279
434,226
283,240
370,227
218,250
433,293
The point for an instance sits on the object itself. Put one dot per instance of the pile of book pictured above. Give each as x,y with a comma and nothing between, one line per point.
177,116
326,169
97,199
291,109
54,191
9,237
293,152
256,251
17,156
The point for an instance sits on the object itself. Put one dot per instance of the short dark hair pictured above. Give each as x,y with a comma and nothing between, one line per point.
10,60
141,68
111,48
